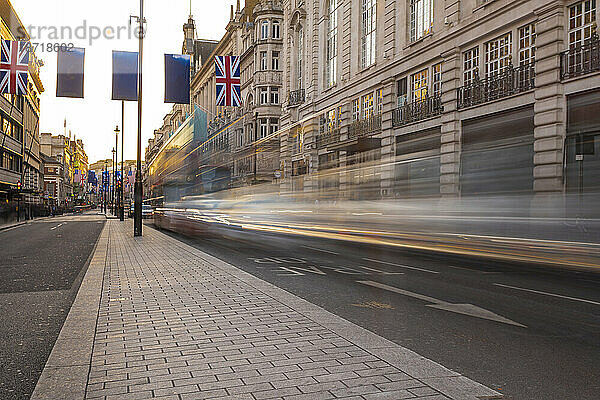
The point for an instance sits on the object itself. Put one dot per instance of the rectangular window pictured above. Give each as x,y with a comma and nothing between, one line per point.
263,60
274,95
275,29
582,18
368,39
421,18
498,55
263,127
367,106
332,43
436,79
264,96
300,59
527,44
402,92
275,60
419,83
470,65
273,126
355,110
264,30
379,101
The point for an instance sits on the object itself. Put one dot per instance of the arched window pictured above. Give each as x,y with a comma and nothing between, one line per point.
264,30
275,29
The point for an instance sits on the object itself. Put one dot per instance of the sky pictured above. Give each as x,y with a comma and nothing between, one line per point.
93,118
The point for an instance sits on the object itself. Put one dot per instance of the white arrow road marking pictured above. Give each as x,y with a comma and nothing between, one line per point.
401,266
548,294
466,309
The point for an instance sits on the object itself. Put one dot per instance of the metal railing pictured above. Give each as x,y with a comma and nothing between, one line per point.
429,106
328,137
496,86
296,97
581,59
365,126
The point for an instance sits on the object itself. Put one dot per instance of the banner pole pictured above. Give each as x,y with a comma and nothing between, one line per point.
138,190
122,201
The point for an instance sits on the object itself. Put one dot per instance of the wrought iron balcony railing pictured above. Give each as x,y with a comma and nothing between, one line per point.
296,97
496,86
328,137
581,59
364,127
430,106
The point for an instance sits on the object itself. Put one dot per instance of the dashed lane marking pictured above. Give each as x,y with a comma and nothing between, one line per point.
324,251
548,294
401,265
57,226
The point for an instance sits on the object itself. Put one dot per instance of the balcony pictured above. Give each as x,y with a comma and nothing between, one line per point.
328,137
364,127
296,97
496,86
417,110
582,59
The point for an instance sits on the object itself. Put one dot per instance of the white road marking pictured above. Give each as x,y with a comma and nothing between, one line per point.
401,266
382,272
57,226
324,251
549,294
466,309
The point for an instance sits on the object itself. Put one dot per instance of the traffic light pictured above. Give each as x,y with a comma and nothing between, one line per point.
19,185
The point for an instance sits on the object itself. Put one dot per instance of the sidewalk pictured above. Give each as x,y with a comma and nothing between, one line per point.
156,318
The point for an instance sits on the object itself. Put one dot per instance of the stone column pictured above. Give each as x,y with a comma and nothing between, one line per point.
550,103
450,131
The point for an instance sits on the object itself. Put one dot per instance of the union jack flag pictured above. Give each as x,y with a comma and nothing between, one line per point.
14,67
227,70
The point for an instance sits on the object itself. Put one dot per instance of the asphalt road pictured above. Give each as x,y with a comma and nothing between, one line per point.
42,264
529,332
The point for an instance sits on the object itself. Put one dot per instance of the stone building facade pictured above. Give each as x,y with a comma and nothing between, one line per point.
429,98
384,99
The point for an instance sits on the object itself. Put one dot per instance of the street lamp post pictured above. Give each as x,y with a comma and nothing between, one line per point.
137,215
104,186
114,177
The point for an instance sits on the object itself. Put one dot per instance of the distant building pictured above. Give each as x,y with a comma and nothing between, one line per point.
59,148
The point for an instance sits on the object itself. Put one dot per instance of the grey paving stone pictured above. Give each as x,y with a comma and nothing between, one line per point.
175,322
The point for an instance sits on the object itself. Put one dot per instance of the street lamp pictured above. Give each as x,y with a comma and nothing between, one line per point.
104,185
112,193
117,195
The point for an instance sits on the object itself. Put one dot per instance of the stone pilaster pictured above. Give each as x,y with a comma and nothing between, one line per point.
550,103
387,139
450,132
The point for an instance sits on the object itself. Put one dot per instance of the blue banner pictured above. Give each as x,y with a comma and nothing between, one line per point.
124,75
69,79
177,78
92,179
